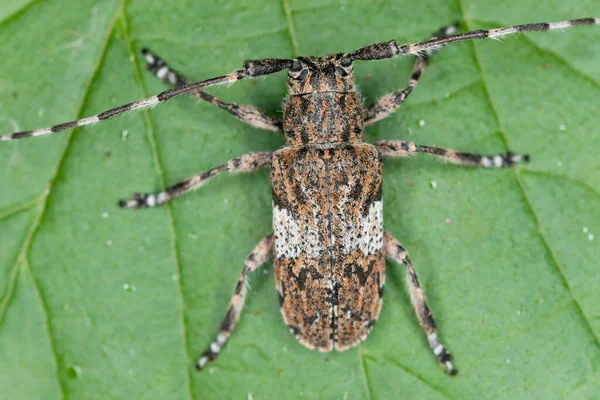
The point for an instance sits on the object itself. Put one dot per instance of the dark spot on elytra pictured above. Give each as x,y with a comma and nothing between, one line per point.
302,277
374,194
309,320
300,196
294,329
361,274
335,297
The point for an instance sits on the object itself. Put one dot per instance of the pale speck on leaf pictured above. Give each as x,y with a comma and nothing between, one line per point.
129,287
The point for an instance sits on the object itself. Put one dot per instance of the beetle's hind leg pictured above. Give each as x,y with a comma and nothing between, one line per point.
386,105
244,112
395,252
245,163
257,257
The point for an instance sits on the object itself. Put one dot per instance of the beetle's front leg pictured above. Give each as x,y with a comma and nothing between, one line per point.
245,163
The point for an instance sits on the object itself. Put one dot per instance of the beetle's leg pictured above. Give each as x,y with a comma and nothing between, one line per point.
245,163
399,148
394,251
386,105
257,257
245,113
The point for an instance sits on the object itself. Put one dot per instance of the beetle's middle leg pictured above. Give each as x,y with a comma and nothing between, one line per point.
399,148
386,105
244,112
245,163
394,251
257,257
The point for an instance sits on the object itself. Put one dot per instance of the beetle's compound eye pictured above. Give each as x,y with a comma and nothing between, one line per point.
345,67
298,70
345,62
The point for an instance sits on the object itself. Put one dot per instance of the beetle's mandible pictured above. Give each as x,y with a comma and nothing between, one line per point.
328,242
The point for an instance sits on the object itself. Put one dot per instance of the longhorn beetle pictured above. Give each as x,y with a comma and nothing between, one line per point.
328,242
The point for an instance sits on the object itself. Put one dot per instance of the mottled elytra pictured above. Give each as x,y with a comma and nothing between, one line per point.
328,242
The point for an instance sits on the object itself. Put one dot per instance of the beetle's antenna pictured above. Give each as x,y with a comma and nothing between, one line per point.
495,33
251,69
392,49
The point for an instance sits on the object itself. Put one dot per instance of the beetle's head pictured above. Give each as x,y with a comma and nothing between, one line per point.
321,74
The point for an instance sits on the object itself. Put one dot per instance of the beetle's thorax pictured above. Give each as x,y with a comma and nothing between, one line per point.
322,106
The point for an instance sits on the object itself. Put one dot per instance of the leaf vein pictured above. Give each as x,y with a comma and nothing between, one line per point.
161,174
15,15
24,206
45,309
290,26
416,376
363,368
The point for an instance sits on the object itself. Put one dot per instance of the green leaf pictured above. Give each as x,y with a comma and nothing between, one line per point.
98,302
